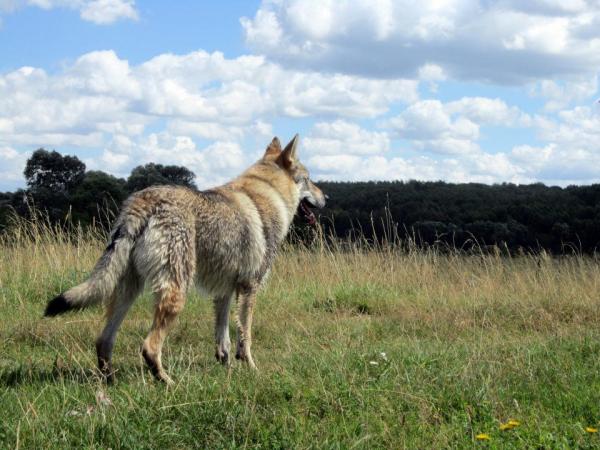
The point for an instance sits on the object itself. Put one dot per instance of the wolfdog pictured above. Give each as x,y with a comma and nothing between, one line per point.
224,240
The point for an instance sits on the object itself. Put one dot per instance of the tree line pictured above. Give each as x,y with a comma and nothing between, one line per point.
511,217
61,188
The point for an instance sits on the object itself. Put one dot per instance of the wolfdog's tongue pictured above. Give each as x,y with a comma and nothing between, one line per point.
308,214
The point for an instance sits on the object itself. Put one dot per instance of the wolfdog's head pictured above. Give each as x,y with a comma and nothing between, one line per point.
287,160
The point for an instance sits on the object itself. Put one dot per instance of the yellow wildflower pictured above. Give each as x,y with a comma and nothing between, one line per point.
512,423
591,429
483,437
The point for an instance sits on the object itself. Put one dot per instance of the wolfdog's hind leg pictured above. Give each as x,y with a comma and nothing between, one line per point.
223,343
246,301
176,266
126,292
169,303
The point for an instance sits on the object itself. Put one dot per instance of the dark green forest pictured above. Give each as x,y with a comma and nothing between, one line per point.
512,217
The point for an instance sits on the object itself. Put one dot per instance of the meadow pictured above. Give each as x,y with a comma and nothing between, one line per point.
358,346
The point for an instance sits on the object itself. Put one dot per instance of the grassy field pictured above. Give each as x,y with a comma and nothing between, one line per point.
364,348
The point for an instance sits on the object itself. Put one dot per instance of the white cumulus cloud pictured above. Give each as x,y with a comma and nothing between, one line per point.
561,94
344,151
345,138
453,127
429,126
493,41
203,93
104,12
100,12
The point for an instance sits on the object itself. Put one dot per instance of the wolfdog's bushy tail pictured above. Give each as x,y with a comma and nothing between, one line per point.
108,270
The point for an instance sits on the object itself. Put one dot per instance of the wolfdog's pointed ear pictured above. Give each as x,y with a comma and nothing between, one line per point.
288,155
274,149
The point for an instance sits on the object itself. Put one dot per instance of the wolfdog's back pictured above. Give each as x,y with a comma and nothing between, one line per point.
204,236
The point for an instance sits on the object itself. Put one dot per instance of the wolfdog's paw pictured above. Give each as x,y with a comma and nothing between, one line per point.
108,377
107,373
222,356
163,377
156,368
245,357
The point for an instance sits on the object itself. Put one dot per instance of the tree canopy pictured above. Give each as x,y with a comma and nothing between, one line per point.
53,171
154,174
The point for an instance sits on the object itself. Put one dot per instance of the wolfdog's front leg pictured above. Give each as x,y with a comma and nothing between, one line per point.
222,305
246,301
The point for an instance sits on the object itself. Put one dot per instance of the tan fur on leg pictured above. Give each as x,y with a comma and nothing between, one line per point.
169,303
246,301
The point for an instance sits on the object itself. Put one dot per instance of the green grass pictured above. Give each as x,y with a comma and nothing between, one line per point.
359,349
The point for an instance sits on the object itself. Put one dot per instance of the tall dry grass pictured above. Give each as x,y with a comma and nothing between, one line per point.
445,287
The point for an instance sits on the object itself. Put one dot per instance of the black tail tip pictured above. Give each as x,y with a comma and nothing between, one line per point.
58,305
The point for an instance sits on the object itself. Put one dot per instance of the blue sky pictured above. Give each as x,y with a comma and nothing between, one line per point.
463,91
49,38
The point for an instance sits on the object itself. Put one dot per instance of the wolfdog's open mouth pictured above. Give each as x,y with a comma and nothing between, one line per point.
305,206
